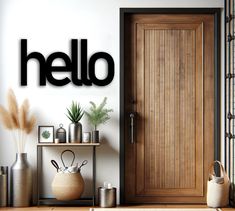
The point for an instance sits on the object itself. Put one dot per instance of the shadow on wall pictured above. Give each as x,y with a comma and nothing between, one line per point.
33,151
34,199
107,155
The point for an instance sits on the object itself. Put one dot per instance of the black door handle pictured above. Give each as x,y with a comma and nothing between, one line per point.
132,116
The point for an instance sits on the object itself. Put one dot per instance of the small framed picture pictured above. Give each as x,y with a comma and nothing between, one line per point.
45,134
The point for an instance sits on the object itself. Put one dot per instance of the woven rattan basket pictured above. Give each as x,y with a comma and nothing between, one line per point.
68,186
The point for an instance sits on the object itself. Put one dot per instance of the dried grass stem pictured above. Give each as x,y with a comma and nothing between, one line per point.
17,120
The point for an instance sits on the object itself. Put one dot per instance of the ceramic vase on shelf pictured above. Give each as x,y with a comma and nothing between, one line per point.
75,132
21,182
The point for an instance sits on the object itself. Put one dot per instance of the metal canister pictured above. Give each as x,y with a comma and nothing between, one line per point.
86,138
95,136
61,134
107,197
3,186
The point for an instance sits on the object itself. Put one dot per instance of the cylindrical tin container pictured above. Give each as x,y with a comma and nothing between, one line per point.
86,138
21,182
95,136
4,186
75,132
107,197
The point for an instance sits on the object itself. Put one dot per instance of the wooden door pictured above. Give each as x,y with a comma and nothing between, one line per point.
169,91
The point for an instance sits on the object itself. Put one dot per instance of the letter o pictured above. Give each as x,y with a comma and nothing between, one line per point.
110,63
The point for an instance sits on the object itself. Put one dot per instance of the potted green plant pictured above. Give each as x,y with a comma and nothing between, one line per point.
98,115
75,113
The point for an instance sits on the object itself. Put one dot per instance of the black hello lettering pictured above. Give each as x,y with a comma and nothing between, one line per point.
46,68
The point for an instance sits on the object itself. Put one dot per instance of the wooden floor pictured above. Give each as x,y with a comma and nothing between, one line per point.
42,208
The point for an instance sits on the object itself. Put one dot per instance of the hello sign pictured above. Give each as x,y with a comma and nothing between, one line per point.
88,75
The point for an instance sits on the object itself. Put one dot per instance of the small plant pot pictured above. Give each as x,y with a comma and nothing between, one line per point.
75,132
95,136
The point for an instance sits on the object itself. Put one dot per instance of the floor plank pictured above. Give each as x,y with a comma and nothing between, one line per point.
42,208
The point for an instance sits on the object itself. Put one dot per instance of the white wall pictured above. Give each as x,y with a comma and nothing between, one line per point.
49,25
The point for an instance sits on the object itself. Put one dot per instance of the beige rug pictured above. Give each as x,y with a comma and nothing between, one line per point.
154,209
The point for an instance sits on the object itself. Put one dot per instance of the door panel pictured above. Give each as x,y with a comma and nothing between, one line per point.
169,83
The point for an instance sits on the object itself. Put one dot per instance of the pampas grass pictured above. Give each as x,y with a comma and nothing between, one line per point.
23,112
6,118
17,120
13,108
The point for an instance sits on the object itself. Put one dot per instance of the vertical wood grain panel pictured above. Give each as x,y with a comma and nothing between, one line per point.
166,113
147,117
202,146
177,109
169,98
162,109
157,109
182,107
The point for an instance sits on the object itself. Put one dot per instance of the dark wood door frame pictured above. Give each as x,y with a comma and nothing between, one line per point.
127,11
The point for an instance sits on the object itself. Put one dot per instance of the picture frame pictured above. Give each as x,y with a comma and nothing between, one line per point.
45,134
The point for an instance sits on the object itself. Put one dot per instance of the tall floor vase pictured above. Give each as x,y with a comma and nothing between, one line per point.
21,182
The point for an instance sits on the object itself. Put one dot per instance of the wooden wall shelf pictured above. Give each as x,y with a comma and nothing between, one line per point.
68,144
